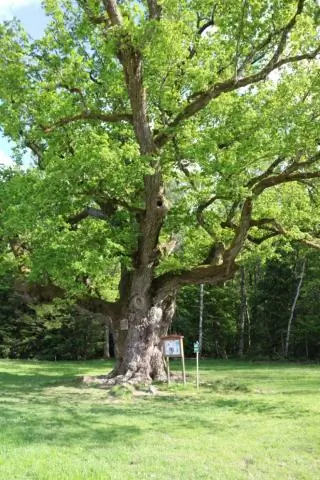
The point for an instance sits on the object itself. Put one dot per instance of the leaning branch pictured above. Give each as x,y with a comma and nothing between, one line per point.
87,212
211,274
241,232
283,178
36,293
199,214
266,173
94,116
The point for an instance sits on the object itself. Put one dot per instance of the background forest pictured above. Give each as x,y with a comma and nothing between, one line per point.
246,317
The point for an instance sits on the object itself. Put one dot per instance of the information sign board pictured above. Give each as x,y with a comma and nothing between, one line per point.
172,348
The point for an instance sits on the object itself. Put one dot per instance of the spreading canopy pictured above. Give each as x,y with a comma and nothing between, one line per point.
165,136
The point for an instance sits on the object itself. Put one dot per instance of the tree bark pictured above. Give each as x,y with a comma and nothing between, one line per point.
140,358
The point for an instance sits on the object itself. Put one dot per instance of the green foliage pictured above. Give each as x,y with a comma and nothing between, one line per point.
56,89
18,330
51,332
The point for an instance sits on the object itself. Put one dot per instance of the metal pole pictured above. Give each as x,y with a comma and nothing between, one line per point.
168,368
197,354
201,318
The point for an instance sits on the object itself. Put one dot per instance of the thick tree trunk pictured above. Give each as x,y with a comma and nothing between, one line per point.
140,358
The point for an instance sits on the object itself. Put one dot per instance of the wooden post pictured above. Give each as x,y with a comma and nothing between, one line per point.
168,370
182,359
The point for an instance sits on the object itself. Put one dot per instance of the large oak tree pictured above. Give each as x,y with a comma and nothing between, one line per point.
167,137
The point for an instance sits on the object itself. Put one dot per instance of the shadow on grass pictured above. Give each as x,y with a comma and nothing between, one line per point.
64,428
49,405
12,384
101,426
235,405
51,368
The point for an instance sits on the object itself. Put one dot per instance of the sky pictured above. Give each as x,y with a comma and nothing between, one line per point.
33,19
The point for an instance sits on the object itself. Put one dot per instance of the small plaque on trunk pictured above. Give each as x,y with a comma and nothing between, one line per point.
124,324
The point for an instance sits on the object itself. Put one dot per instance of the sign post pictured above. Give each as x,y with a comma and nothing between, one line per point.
168,370
173,347
196,348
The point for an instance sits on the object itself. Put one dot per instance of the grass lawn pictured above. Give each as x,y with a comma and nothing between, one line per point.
249,421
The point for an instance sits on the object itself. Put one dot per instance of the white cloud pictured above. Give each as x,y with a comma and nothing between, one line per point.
8,8
5,159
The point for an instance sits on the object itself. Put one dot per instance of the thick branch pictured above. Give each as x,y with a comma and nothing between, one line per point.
98,305
297,165
241,232
199,214
212,274
113,11
154,10
267,224
33,292
87,212
283,178
95,116
207,24
202,99
259,240
266,173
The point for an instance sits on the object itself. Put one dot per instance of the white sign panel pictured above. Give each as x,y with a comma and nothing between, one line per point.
172,348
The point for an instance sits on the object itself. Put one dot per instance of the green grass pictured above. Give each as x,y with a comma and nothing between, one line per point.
249,421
